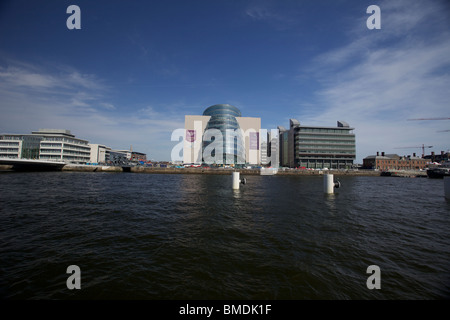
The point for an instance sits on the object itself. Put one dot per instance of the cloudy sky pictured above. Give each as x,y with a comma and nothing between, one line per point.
135,68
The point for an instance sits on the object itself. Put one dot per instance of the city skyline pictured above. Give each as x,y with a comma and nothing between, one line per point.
134,70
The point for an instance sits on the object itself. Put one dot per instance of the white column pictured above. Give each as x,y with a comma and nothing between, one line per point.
235,178
328,183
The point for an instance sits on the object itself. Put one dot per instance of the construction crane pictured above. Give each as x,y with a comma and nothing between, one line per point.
429,119
437,118
422,146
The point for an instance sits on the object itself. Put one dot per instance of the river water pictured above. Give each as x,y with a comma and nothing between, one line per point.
158,236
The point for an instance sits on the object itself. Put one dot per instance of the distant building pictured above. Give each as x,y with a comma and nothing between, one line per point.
117,157
240,143
19,146
61,145
442,157
138,156
125,156
317,147
99,153
270,152
385,162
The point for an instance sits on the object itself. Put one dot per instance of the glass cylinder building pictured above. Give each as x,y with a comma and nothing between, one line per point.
223,118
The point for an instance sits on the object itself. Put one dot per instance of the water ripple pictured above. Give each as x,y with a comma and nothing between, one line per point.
144,236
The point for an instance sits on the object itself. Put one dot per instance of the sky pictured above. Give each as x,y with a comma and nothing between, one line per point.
136,68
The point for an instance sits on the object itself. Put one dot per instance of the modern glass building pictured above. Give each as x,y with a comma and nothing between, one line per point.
223,118
317,147
240,144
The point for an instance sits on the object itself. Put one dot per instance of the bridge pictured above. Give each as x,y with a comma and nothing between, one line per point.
32,165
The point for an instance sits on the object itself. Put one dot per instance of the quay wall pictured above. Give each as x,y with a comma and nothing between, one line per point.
91,168
140,169
228,171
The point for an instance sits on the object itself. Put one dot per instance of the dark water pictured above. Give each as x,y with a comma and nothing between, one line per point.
145,236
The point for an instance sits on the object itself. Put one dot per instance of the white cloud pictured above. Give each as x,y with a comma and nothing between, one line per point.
378,82
33,98
274,13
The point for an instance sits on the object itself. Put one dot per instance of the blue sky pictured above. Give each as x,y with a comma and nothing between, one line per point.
136,68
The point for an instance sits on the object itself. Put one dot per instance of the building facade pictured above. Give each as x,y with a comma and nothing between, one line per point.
61,145
99,153
317,147
385,162
19,146
270,154
442,157
120,157
222,136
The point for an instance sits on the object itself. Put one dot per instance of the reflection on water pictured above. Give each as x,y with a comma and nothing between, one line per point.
144,236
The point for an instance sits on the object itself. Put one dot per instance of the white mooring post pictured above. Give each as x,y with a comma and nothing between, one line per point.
236,180
328,183
447,187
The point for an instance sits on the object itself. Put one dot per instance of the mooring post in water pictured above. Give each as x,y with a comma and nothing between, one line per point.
235,176
447,187
329,184
236,181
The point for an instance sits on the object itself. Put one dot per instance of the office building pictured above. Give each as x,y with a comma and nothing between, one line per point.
317,147
19,146
270,154
99,153
61,145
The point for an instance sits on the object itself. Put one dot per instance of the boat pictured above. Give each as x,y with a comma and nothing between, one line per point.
268,171
439,172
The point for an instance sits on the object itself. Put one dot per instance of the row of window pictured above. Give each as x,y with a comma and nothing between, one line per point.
401,162
324,141
10,156
324,161
6,144
50,151
9,150
87,154
55,151
325,156
66,146
80,142
326,136
54,157
325,146
309,151
325,130
21,138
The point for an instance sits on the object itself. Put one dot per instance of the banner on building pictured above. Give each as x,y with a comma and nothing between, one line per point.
254,140
190,135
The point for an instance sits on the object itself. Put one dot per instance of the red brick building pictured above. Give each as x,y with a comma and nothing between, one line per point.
394,162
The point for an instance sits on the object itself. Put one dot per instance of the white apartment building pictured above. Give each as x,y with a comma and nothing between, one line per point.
19,146
61,145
